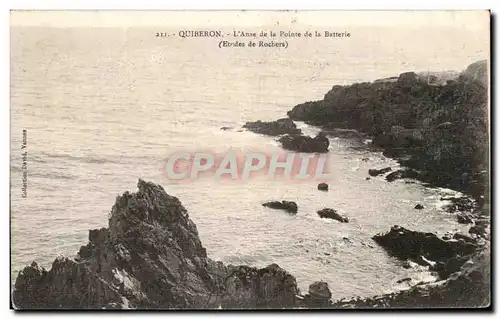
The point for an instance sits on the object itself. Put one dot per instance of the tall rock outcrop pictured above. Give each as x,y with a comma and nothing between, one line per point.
150,256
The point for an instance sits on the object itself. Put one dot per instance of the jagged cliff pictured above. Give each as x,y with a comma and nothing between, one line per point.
150,256
441,129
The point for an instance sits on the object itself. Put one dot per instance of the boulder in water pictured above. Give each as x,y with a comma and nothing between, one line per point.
306,144
290,207
377,172
323,186
332,214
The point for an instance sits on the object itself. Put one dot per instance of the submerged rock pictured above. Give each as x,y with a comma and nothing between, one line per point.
332,214
419,206
306,144
279,127
377,172
150,256
323,186
288,206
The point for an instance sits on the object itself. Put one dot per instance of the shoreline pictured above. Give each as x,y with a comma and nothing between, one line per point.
150,236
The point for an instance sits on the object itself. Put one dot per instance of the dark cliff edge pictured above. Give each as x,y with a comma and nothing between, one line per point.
151,257
440,129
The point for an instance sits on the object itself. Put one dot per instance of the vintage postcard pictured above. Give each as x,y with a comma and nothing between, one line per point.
250,159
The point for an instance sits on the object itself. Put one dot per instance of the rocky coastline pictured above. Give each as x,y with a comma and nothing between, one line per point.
439,134
438,131
150,255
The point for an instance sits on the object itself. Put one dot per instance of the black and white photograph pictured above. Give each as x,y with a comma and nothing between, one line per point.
249,160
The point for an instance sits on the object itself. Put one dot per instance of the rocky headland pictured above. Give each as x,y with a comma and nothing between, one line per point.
438,128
